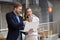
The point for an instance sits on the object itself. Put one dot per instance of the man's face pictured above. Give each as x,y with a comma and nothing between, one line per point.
18,10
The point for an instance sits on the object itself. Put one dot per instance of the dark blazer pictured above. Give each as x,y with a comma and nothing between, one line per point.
14,26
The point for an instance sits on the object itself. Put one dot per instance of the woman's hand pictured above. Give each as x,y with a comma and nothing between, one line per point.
30,31
29,19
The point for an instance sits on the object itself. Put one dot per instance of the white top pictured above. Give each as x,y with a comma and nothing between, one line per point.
35,18
34,24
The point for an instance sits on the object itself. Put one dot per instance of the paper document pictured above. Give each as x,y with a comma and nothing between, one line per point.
29,25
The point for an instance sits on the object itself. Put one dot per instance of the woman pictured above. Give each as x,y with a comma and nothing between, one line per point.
31,19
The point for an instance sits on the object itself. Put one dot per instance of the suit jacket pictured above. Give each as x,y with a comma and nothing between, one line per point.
14,26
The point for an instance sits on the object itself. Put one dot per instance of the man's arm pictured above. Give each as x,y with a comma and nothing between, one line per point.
12,22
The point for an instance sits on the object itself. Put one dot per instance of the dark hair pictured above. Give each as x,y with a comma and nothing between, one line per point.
16,5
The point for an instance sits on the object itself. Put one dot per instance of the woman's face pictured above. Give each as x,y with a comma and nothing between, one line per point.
29,12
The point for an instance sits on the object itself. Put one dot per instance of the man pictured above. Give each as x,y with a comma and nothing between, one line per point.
15,23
